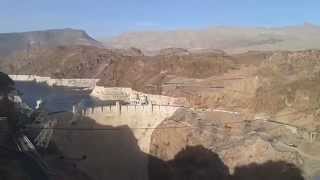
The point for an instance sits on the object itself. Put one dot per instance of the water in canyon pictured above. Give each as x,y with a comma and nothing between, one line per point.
55,98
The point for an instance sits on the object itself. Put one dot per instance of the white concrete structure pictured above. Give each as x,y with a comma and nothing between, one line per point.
138,99
134,97
142,119
39,103
122,110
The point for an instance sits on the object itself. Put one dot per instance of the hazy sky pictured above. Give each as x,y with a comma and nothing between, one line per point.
103,18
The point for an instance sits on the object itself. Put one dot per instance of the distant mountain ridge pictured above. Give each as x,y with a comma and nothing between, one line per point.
24,41
229,39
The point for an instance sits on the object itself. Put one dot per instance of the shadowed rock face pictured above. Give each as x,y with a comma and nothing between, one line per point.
14,42
110,154
115,154
6,106
197,162
15,165
235,144
6,83
279,170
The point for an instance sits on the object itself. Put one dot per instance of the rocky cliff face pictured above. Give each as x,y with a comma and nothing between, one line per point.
117,68
11,43
237,143
277,116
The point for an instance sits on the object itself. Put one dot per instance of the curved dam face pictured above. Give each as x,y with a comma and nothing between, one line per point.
120,150
141,119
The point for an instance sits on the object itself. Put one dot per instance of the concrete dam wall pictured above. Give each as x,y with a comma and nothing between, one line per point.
141,119
145,112
130,95
81,83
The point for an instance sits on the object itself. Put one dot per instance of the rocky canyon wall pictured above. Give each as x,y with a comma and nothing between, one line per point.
80,83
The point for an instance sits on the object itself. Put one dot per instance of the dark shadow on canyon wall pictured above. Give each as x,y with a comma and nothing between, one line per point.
192,163
110,153
271,170
113,153
199,163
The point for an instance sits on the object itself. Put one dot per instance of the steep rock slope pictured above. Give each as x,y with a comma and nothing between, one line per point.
116,67
26,41
236,144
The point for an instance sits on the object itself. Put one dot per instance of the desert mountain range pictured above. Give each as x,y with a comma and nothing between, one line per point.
25,41
229,39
